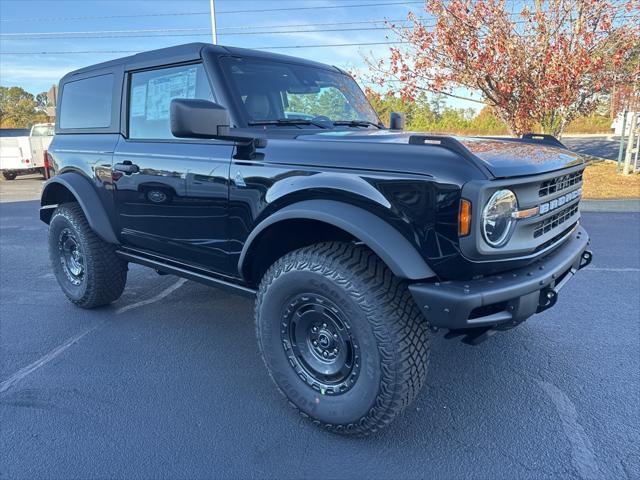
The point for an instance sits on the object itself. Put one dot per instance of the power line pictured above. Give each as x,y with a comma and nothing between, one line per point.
73,34
98,33
279,47
207,31
324,7
172,32
285,47
329,45
361,22
222,12
150,30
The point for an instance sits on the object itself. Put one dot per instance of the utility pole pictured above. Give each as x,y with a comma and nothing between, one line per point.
622,135
214,33
626,170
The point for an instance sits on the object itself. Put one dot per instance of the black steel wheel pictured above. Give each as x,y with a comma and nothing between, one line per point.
341,337
9,175
71,256
318,341
86,267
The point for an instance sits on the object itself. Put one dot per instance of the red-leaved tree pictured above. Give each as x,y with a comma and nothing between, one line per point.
545,63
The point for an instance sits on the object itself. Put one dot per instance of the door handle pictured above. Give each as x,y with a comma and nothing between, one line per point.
127,167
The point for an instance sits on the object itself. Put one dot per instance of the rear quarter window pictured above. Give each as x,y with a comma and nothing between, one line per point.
42,131
87,103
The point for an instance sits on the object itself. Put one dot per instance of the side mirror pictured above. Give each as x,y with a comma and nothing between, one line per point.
396,121
193,118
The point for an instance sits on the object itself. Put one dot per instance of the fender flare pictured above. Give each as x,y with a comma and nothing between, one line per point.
86,196
387,242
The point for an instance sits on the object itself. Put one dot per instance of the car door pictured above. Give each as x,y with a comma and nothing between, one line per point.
171,194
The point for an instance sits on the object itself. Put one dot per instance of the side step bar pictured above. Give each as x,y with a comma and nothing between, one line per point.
185,273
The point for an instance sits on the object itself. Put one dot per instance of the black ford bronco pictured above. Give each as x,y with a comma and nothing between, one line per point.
273,177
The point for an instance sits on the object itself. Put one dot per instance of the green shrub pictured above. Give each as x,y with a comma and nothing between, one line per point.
431,116
593,123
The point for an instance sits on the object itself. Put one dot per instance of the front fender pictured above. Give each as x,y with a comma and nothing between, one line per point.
55,192
389,244
330,181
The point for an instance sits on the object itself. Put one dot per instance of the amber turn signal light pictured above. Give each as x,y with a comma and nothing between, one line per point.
464,218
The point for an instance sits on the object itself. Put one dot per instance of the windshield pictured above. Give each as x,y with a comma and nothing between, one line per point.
272,91
42,131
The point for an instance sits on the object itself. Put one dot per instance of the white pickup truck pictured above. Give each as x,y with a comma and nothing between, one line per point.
22,150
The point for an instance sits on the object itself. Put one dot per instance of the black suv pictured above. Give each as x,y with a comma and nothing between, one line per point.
272,176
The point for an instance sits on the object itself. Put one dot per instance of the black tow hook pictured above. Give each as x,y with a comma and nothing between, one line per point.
585,260
548,298
549,295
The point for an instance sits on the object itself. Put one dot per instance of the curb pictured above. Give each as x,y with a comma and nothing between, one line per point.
614,206
608,136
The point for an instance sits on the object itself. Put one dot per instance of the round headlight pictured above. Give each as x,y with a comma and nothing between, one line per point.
497,219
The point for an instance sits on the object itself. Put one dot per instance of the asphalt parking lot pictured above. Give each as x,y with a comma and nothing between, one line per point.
167,381
598,146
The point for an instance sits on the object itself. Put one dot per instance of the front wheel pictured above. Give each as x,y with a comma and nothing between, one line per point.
86,267
341,337
9,175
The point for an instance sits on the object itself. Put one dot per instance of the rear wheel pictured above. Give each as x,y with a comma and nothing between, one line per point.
341,337
86,267
9,175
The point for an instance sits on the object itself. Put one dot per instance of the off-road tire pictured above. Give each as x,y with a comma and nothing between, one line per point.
104,275
9,175
387,326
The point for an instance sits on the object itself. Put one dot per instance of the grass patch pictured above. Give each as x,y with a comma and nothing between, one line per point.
600,181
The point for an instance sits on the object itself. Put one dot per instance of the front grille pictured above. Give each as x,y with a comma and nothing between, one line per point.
557,184
555,238
554,220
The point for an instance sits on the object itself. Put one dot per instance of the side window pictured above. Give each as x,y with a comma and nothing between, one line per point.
86,103
151,93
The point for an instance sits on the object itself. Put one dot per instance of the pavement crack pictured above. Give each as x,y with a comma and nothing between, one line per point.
582,454
160,296
42,361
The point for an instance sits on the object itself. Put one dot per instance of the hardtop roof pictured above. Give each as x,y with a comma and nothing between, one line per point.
193,49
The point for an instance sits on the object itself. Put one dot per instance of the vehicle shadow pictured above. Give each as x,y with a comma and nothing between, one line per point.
473,412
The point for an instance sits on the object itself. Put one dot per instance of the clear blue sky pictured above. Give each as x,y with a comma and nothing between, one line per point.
183,21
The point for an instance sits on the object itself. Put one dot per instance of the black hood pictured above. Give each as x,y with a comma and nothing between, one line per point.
501,157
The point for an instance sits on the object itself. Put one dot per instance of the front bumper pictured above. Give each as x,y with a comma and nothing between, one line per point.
506,299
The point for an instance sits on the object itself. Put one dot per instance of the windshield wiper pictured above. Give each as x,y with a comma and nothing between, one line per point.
289,121
357,123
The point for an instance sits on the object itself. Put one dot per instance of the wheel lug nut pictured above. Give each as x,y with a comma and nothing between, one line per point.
335,335
315,344
324,325
315,329
325,353
335,350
